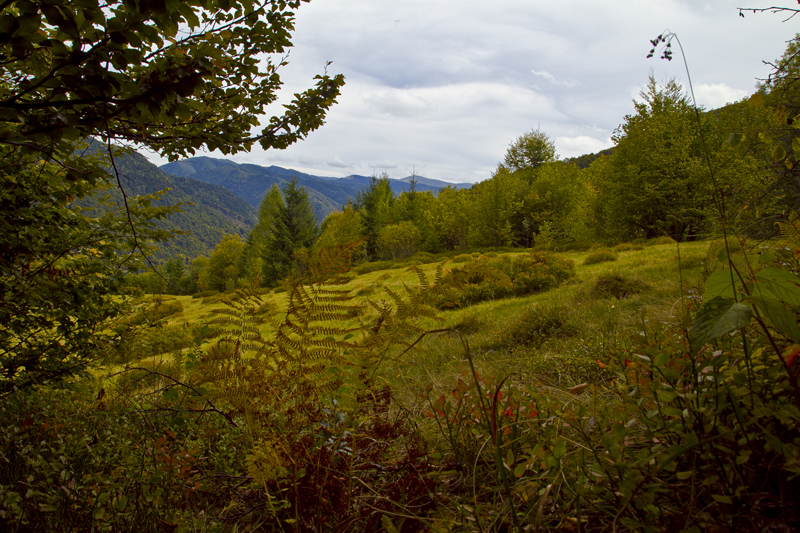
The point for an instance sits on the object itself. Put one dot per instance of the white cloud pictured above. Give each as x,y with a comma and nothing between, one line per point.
336,162
712,96
384,164
554,80
582,144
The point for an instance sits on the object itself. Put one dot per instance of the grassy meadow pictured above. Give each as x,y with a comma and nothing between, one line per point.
578,408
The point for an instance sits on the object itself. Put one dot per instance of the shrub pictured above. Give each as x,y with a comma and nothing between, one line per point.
573,247
424,257
204,294
628,247
470,323
617,286
76,462
374,266
462,258
539,323
599,257
666,239
491,278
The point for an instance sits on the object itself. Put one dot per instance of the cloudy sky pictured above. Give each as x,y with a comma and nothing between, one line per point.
441,87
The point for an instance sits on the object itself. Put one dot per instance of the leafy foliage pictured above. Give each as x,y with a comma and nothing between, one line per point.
489,278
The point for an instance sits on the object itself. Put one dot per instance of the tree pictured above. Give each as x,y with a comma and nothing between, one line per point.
342,227
495,203
269,211
293,228
374,204
448,218
529,151
223,264
157,75
657,182
399,240
551,203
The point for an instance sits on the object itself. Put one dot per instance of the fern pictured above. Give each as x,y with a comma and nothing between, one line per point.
790,231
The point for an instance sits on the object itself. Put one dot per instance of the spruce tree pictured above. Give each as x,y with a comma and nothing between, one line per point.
293,228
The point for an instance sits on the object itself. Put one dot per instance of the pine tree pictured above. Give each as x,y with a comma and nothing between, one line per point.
292,228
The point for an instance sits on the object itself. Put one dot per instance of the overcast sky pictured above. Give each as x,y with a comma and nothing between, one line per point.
443,86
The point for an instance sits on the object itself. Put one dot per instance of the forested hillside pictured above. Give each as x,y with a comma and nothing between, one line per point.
251,182
207,211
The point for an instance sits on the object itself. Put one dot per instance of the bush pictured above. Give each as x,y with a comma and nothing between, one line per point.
573,247
491,278
462,258
424,257
617,286
470,323
628,247
602,256
204,294
666,239
73,462
374,266
540,323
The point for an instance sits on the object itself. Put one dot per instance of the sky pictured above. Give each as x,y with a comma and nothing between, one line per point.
442,87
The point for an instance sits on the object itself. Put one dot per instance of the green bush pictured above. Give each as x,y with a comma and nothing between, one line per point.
492,278
424,257
666,239
599,257
628,247
204,294
540,323
573,247
374,266
462,258
617,286
74,462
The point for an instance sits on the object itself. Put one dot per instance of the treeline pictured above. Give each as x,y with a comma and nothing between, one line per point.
667,175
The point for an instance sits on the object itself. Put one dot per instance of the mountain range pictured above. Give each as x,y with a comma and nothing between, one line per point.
251,182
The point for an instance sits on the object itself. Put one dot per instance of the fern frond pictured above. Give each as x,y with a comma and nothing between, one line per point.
790,231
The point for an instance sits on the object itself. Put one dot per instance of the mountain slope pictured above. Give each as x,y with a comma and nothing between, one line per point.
215,212
251,182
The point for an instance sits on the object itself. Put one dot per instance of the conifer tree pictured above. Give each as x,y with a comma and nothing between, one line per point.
293,227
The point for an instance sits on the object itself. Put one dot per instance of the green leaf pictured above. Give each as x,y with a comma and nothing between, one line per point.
560,449
170,394
122,502
717,317
388,525
519,470
778,153
719,284
782,318
722,499
734,139
796,145
784,285
684,475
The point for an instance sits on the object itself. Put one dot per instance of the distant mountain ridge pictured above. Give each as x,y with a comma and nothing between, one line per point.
251,182
208,213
